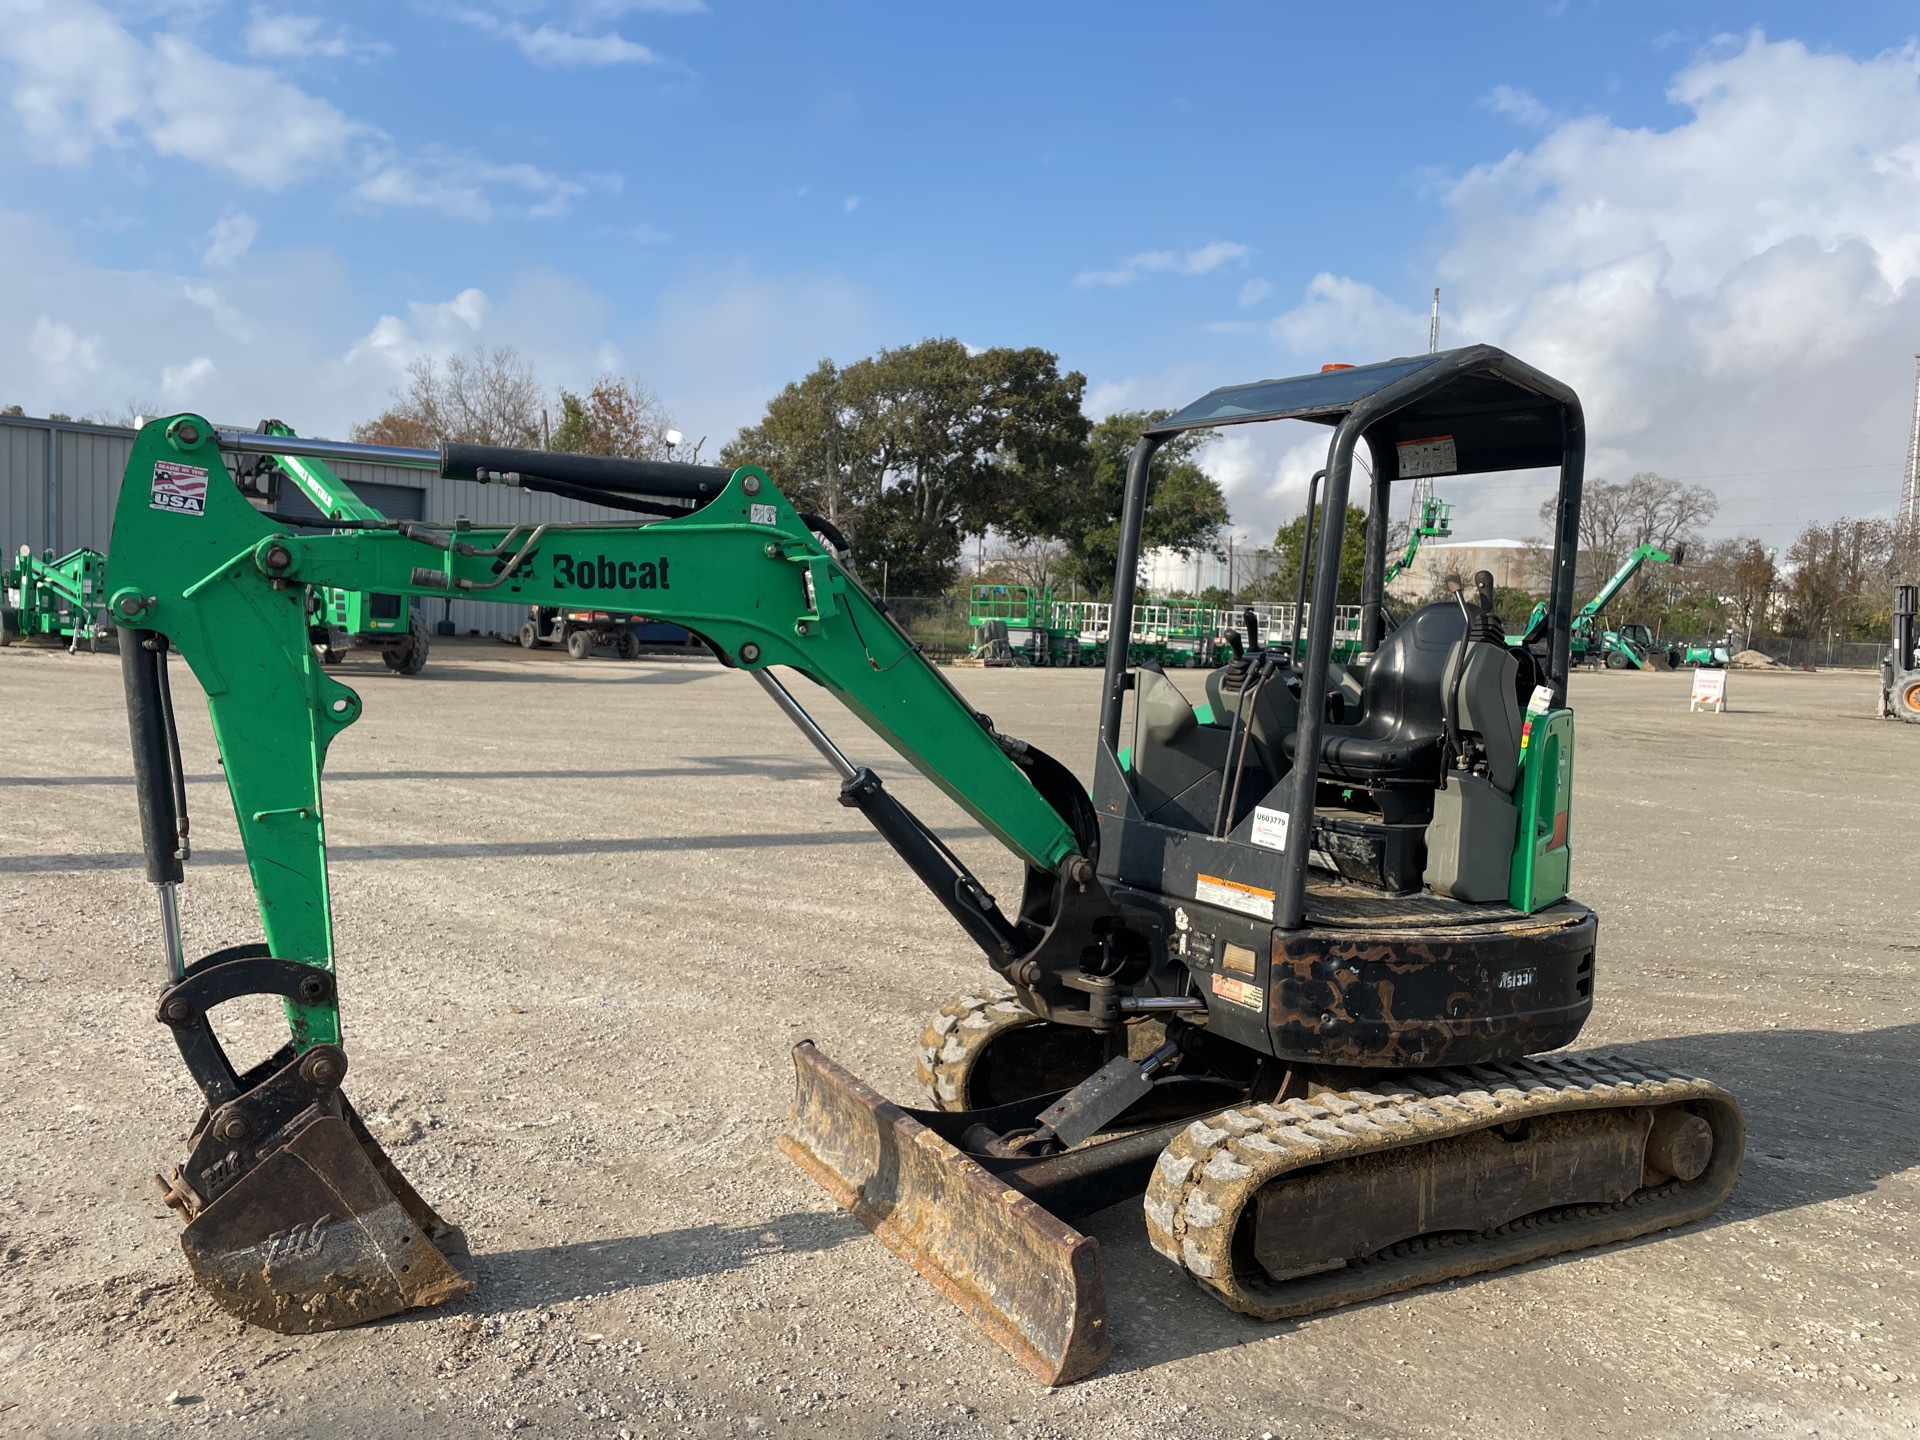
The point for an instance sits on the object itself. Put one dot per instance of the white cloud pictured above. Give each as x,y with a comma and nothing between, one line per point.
718,344
1517,105
614,9
82,81
553,46
1254,291
1341,314
62,353
179,383
1134,268
231,320
1736,293
306,37
850,204
230,238
548,46
431,328
468,188
1734,296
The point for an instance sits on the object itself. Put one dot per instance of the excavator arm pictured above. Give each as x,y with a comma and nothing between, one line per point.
279,1162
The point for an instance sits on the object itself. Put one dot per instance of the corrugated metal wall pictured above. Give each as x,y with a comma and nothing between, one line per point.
89,460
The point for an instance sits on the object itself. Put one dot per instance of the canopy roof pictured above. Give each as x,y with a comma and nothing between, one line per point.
1456,412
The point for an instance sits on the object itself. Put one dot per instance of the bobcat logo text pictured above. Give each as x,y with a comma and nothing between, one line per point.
597,572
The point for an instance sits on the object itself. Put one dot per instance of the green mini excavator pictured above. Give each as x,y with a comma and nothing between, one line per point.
1288,975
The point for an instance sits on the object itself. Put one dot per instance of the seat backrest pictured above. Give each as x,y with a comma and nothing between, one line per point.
1477,693
1403,684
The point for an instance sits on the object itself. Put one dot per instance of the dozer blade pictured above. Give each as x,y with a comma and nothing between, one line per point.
1027,1279
324,1233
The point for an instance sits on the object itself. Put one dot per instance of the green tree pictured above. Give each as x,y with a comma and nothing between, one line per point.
1185,509
1285,581
617,416
911,449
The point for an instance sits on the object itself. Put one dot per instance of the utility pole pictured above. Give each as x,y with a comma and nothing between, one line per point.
1910,485
1433,325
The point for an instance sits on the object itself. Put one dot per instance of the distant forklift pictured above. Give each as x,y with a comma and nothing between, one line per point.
1900,669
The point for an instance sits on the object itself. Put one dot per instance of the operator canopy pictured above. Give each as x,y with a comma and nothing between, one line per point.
1499,413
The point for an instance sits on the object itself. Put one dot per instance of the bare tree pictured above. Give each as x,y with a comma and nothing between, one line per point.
1616,519
492,399
1841,574
1035,563
1733,585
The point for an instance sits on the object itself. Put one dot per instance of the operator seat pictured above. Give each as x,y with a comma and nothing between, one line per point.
1397,739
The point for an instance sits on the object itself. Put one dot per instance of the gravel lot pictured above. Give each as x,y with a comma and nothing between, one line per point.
585,908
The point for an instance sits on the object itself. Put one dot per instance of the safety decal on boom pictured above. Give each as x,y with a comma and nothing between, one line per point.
179,489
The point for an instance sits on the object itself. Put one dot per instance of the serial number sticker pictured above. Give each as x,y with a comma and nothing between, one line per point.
1232,895
1517,979
1239,992
1434,455
763,514
1542,700
179,489
1270,827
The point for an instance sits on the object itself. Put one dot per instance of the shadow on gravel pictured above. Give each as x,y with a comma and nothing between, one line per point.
614,672
551,1274
703,766
1829,1114
480,849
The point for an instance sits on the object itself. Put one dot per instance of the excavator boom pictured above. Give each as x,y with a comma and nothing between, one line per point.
297,1220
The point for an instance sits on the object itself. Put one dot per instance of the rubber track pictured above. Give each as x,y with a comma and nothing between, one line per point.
954,1039
1210,1173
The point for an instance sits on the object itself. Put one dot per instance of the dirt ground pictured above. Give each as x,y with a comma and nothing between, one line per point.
584,909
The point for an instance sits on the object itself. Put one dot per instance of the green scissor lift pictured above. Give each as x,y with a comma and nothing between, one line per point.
54,596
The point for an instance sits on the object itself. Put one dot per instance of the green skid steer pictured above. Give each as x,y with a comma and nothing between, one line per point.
1288,976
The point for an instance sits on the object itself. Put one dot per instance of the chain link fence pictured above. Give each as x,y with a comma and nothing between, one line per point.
938,623
1823,654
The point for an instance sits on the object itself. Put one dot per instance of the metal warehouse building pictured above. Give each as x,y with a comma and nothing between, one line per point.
60,480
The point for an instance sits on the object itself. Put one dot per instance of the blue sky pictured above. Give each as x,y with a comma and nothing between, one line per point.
1706,216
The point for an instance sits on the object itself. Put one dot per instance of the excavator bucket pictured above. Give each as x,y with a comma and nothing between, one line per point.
323,1232
1027,1279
